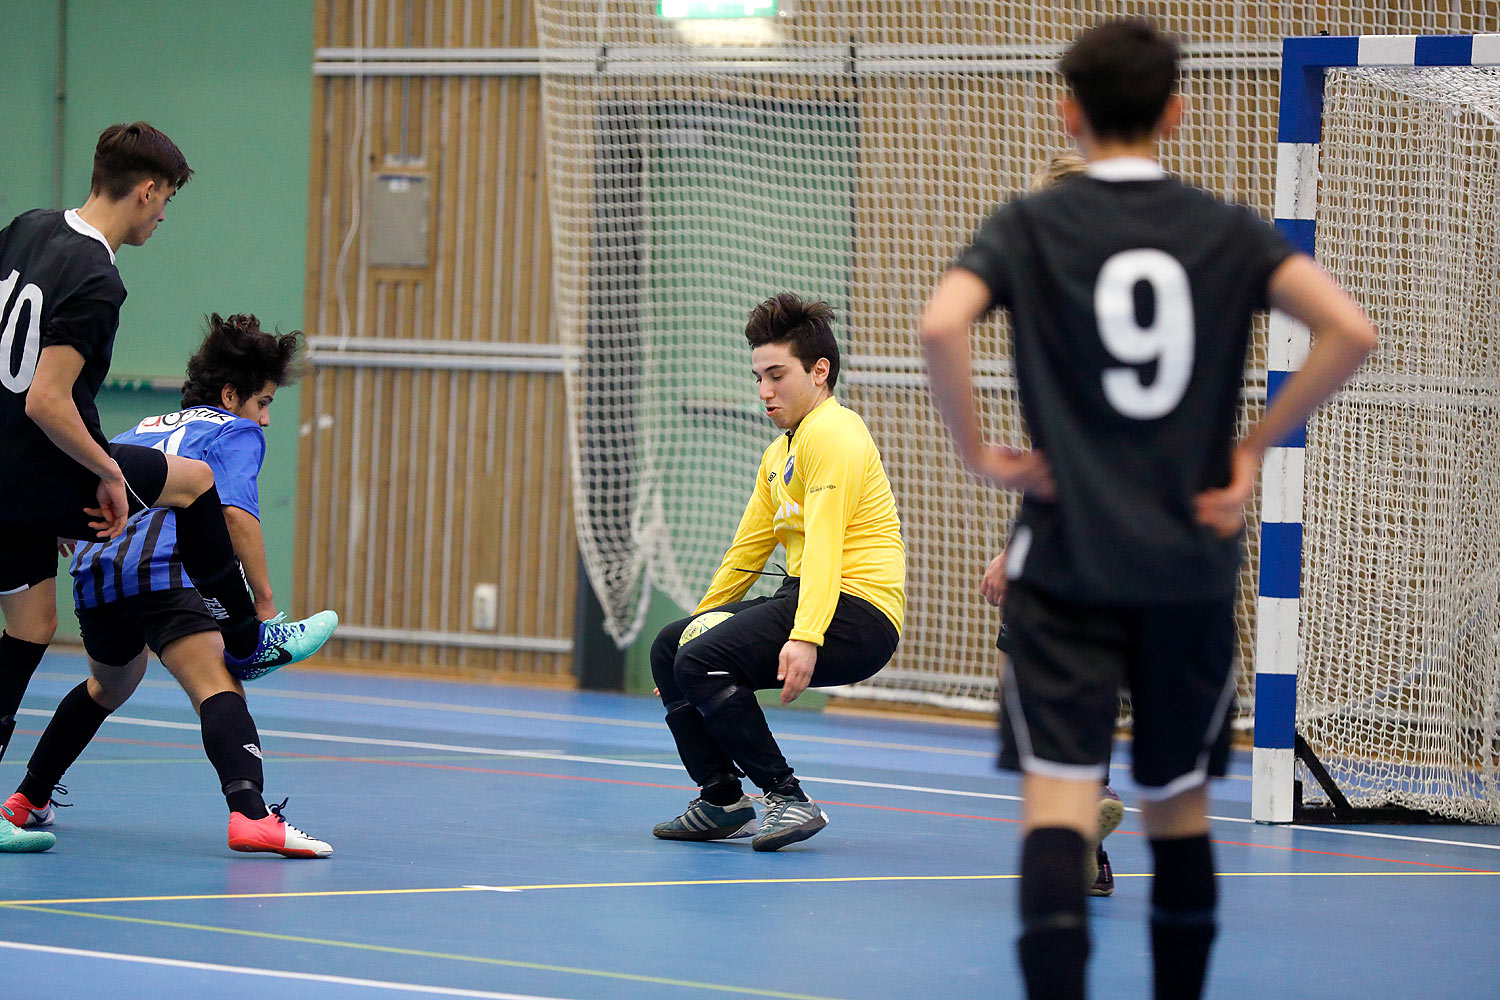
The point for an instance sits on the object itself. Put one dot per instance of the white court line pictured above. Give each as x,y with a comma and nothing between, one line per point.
530,755
241,970
652,765
516,713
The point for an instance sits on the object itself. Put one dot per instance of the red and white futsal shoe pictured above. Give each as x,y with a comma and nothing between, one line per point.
273,835
20,811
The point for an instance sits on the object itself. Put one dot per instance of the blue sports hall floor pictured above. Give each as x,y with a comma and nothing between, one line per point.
495,842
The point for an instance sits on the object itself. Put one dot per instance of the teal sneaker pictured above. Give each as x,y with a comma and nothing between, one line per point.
706,821
14,840
787,821
283,642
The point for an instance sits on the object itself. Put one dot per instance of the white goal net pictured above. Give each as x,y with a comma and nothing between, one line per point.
842,150
1399,688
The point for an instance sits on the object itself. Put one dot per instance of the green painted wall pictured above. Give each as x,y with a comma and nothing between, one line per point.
231,83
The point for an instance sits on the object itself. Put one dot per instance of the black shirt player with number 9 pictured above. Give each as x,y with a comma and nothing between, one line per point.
1130,296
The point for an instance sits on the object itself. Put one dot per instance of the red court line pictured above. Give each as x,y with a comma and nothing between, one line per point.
691,788
1357,857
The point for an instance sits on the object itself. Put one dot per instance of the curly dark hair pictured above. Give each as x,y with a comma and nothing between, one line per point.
238,353
806,325
128,154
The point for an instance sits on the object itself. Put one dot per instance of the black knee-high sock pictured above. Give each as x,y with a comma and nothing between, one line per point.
208,558
18,661
1054,945
233,747
1183,902
73,726
706,762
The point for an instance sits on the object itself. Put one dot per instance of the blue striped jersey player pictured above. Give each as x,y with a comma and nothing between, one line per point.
144,556
133,593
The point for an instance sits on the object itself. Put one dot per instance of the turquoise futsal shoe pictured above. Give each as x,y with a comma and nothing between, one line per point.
283,642
14,840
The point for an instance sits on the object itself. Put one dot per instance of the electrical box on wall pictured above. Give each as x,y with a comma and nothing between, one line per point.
397,209
486,605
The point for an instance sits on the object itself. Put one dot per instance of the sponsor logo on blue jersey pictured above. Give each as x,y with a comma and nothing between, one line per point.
171,421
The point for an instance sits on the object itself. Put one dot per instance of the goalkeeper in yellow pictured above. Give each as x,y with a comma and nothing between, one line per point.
821,491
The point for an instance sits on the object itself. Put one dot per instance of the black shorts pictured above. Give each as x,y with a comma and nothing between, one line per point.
28,542
115,633
1068,662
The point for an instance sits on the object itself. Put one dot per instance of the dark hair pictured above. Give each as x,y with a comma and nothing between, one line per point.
1122,72
807,326
238,353
129,154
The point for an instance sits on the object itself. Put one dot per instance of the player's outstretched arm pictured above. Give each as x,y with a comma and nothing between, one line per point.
959,300
49,404
1342,337
250,549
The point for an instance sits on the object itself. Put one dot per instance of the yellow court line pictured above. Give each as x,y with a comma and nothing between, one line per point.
420,953
22,903
509,888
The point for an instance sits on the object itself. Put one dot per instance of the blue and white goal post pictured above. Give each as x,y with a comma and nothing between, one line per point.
1304,64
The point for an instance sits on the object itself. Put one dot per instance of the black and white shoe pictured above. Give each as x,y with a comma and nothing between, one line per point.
787,821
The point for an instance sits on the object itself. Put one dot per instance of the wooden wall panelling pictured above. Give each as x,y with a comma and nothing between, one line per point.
419,482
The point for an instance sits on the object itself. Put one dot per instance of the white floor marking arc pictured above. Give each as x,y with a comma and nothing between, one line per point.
595,720
241,970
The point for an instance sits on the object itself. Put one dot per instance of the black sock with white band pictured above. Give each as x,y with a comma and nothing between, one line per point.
1054,944
233,747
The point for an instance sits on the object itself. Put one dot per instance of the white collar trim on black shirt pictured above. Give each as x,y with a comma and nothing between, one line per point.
76,223
1126,168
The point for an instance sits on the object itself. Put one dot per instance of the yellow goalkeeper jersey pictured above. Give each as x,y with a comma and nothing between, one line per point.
821,492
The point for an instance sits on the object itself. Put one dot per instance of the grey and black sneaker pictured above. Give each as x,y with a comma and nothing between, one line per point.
706,821
787,821
1104,877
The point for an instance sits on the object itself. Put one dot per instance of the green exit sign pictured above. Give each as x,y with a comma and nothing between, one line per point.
682,9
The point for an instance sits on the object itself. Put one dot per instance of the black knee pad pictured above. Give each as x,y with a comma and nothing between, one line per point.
702,683
725,698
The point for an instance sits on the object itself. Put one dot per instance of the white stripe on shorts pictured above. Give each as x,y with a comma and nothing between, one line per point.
1030,762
